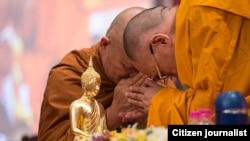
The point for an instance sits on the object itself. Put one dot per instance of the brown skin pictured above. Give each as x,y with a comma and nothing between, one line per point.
119,71
140,96
163,47
112,48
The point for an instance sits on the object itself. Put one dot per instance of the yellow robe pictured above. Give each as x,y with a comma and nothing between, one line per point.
212,50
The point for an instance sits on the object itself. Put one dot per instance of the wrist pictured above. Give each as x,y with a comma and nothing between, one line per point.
112,118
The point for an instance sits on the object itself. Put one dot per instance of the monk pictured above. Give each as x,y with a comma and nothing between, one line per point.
204,43
64,82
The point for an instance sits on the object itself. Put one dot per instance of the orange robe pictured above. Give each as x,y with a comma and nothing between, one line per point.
63,87
212,50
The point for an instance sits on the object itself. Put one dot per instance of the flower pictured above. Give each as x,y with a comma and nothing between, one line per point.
134,134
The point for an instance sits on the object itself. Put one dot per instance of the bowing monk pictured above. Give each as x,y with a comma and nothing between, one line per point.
64,82
204,43
117,74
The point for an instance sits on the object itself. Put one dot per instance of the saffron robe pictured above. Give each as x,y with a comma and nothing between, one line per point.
212,50
63,87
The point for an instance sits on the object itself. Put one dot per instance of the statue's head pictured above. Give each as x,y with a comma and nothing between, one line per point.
91,80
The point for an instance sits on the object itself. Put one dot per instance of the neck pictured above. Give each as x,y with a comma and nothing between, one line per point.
172,18
87,96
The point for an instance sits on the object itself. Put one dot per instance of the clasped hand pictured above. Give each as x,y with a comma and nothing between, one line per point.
139,97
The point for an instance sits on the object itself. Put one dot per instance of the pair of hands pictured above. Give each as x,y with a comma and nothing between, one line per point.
132,97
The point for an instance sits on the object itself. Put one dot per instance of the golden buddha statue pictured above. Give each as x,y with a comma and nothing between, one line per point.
87,116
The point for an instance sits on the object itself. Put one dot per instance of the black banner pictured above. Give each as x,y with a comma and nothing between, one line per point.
208,132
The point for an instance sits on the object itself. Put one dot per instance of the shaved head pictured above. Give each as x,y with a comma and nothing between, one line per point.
111,47
119,23
149,21
121,20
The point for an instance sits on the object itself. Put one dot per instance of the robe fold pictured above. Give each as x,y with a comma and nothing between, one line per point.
212,50
63,87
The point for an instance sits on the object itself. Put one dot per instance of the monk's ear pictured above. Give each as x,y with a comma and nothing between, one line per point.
105,41
160,39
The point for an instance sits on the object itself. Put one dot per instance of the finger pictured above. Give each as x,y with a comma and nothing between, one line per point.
134,96
136,80
121,114
141,110
152,83
136,102
137,89
133,80
141,81
136,116
145,82
128,117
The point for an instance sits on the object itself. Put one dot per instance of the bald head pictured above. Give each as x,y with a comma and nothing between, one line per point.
120,21
111,47
150,21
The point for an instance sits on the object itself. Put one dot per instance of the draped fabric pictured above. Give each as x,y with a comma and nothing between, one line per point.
212,50
63,87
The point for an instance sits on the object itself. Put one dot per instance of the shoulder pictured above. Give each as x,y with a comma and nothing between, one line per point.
76,60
